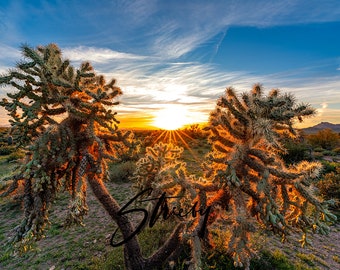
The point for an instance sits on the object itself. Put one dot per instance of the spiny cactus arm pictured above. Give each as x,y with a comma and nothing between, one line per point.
200,232
236,133
284,109
117,136
283,174
232,97
103,123
256,90
223,141
36,215
78,206
224,103
254,164
251,192
285,128
262,155
304,110
17,177
208,187
30,53
309,197
285,198
266,134
11,187
180,178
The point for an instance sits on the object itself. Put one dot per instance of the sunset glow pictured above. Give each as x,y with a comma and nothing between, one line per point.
171,118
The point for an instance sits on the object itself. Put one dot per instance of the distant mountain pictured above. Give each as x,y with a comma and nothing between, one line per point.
321,126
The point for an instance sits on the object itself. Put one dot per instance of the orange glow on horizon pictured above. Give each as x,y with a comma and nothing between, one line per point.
128,121
171,117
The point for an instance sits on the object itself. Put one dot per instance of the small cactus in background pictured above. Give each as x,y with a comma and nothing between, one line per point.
162,170
9,140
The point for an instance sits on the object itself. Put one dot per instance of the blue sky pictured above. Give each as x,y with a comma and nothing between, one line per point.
185,53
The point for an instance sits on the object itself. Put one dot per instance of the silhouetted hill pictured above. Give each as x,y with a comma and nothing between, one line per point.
321,126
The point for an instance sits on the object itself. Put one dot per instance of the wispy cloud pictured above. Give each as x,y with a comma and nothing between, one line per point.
8,53
180,32
168,29
324,106
97,55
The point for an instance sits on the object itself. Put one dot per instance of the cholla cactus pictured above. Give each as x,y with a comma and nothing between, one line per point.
246,181
59,116
245,164
161,170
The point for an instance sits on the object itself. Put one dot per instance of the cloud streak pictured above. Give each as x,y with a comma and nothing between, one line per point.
97,55
181,32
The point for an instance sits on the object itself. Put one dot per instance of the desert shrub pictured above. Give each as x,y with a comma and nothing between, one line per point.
152,138
328,167
326,139
317,155
15,156
130,152
329,185
296,150
328,153
2,144
121,172
195,131
337,150
272,260
147,141
6,150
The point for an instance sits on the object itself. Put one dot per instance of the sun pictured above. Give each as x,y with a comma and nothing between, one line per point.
171,118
